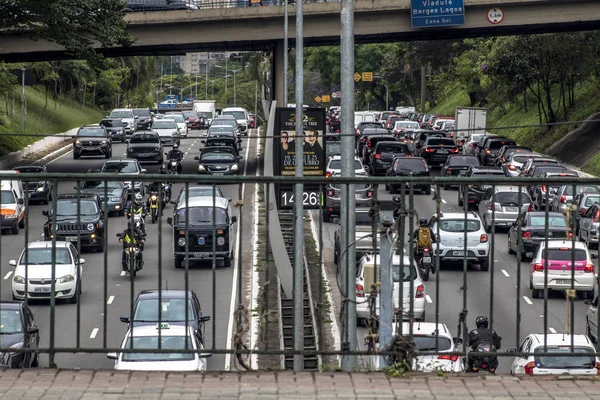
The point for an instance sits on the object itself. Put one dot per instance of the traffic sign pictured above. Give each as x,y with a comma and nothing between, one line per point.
367,77
436,13
334,95
318,99
356,77
325,98
495,16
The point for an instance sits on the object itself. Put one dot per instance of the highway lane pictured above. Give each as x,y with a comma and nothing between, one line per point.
505,273
119,288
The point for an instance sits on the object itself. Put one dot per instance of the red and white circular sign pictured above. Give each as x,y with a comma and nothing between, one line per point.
495,16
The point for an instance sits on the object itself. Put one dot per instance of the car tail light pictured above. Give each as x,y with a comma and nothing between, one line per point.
483,238
503,159
570,235
452,135
529,368
597,366
363,140
369,144
582,211
360,290
488,152
378,156
455,150
526,235
544,188
451,357
369,193
597,216
538,267
425,250
491,205
512,167
328,175
406,140
329,192
358,131
589,268
563,199
420,292
429,150
449,171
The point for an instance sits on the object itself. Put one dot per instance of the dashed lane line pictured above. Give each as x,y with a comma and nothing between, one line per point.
8,274
552,330
444,201
428,299
505,273
527,300
122,273
94,333
110,300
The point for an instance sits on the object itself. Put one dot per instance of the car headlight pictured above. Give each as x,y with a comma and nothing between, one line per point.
121,132
19,279
181,242
11,216
114,199
40,189
67,279
104,142
175,133
220,241
157,148
234,167
78,142
153,197
90,227
201,168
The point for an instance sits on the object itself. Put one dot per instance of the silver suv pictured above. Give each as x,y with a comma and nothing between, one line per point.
504,204
564,195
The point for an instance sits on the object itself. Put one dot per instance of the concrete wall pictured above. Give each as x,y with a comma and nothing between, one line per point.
8,160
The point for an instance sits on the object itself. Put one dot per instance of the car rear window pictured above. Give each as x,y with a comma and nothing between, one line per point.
538,171
414,164
489,172
409,273
441,142
496,144
393,148
585,361
458,225
521,159
564,254
511,198
591,200
553,222
463,160
337,164
581,189
144,139
427,343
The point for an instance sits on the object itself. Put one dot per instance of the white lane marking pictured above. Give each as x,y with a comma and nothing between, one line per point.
8,274
94,333
186,153
505,274
527,300
236,271
444,201
254,326
124,154
428,299
110,300
122,273
42,235
552,330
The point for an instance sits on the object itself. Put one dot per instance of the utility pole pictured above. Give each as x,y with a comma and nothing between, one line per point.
23,100
207,68
423,87
386,292
226,73
285,53
171,84
234,72
348,216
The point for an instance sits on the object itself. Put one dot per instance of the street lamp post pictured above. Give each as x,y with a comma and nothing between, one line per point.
171,82
207,67
234,72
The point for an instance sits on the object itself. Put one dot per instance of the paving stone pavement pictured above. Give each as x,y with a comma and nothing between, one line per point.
51,384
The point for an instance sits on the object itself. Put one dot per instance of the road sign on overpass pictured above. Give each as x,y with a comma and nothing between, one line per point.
436,13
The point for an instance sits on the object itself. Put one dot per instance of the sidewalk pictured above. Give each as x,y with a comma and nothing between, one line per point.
88,385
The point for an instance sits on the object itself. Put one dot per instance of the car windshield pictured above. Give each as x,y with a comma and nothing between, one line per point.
585,361
43,256
407,124
7,197
225,122
563,254
337,164
205,114
458,225
68,207
201,191
539,170
10,321
511,198
164,124
172,310
120,167
393,148
463,160
91,132
553,221
140,112
581,189
236,114
144,139
203,215
188,114
112,123
496,144
151,342
407,270
176,118
217,156
591,200
364,125
427,343
121,114
476,137
412,165
100,185
440,142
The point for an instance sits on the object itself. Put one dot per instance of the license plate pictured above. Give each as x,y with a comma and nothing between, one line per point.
153,206
71,238
511,209
442,151
218,173
42,290
427,260
198,255
563,281
458,253
29,195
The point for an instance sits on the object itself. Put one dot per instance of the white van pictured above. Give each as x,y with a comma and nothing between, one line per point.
12,199
241,116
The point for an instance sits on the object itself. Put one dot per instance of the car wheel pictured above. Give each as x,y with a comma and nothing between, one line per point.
485,265
75,156
227,262
35,362
335,257
510,250
100,248
589,294
488,228
588,331
15,229
22,224
178,262
326,216
392,189
460,201
535,293
75,298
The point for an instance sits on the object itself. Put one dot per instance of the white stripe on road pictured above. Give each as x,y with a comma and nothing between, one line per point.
428,299
122,273
527,300
8,274
552,330
94,333
110,300
444,201
505,273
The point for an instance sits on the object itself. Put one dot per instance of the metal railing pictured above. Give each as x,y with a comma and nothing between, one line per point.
451,286
168,5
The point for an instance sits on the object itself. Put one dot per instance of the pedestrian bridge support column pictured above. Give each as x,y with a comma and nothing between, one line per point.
278,74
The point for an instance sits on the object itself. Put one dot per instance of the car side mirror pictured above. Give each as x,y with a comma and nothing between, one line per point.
203,141
588,302
112,356
204,318
595,256
12,263
143,170
229,199
457,341
197,158
20,201
512,350
173,202
33,330
124,319
45,213
170,221
233,219
81,261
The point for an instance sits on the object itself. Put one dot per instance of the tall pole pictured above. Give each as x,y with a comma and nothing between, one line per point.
423,87
162,71
234,94
298,292
387,103
207,68
348,216
285,53
171,84
386,297
226,73
23,100
212,81
256,101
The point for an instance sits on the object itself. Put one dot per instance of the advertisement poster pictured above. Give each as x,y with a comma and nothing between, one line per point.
312,142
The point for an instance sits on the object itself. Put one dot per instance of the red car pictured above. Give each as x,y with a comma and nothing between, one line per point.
192,119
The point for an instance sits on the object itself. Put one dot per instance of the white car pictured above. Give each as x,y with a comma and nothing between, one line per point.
35,265
515,161
172,337
559,343
424,337
180,121
558,259
451,246
364,281
334,167
167,129
126,115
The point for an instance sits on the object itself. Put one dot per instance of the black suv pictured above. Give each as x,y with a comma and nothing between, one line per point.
39,190
88,228
115,128
92,140
491,147
144,118
476,191
407,166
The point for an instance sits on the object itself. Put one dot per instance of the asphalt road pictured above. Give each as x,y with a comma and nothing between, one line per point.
502,278
83,324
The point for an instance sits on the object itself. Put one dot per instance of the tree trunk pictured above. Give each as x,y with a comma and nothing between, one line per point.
46,98
551,114
564,100
525,101
84,90
55,93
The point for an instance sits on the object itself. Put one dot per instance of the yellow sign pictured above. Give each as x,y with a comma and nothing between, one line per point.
325,98
356,77
367,77
318,99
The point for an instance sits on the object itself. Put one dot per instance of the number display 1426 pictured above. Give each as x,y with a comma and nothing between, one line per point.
311,199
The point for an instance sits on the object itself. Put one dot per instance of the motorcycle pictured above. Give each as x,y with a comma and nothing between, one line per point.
166,189
133,262
153,205
173,165
138,219
425,263
482,361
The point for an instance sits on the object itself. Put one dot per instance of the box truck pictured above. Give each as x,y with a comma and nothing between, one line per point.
467,121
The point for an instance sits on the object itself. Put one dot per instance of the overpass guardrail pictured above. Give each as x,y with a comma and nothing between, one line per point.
163,5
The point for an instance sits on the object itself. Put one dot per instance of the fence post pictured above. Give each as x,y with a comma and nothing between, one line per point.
386,308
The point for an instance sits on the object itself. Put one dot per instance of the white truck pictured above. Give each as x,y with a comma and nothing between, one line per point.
208,108
468,121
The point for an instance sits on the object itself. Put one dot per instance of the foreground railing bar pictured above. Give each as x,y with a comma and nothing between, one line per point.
105,270
53,277
80,231
438,209
411,247
518,293
402,217
571,299
545,265
214,272
187,255
160,259
491,259
267,263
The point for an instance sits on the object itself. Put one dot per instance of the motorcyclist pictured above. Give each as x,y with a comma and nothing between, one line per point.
482,334
132,236
424,238
155,187
138,207
176,154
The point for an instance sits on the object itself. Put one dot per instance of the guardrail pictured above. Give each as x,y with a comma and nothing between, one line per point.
164,5
400,353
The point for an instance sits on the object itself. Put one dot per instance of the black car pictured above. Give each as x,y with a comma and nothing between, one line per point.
19,331
506,150
476,191
333,200
540,193
143,118
38,190
407,166
116,196
145,146
92,140
367,125
115,128
77,218
219,141
436,150
172,310
421,137
362,139
218,163
371,143
458,164
224,132
532,228
488,152
384,153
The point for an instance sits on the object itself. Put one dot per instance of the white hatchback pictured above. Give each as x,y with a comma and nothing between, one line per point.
451,244
334,167
556,364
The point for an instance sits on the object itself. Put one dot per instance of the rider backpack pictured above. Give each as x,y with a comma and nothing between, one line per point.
424,238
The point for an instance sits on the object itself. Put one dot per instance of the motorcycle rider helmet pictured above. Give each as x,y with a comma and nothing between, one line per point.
175,147
138,198
423,222
481,321
162,169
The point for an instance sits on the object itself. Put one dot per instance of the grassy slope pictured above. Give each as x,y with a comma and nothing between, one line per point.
587,102
56,118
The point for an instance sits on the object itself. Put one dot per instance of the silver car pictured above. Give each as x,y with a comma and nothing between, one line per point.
126,115
564,195
513,165
126,166
470,146
167,129
589,224
504,204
